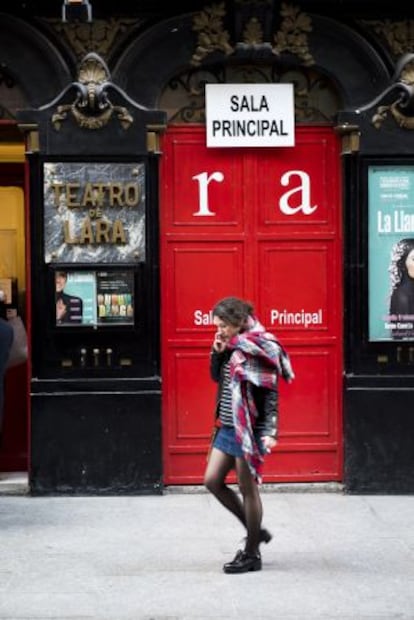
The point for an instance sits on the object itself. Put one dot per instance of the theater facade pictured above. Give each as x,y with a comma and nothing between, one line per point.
155,160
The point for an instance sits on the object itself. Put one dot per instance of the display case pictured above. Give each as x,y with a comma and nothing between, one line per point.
94,268
382,317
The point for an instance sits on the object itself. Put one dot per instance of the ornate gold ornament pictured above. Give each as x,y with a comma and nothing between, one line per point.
398,98
101,35
399,35
292,36
211,34
405,122
253,32
91,108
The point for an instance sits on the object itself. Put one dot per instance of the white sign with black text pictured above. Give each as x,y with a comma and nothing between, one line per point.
250,115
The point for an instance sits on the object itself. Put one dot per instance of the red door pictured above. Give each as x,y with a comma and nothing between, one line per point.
262,224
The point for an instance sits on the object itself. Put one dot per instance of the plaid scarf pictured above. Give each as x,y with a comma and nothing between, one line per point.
257,359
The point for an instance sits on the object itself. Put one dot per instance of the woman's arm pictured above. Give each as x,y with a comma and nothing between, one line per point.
216,361
267,403
400,302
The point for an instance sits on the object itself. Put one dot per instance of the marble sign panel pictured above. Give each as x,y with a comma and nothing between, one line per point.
94,212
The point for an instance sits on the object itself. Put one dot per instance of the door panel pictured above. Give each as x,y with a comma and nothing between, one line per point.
196,270
263,224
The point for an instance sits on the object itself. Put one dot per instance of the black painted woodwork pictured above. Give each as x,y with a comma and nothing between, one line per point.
379,432
102,441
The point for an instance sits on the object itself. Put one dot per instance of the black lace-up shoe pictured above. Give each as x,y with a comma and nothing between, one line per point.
265,536
244,562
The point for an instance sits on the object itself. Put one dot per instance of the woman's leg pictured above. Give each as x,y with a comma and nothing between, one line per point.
253,509
219,465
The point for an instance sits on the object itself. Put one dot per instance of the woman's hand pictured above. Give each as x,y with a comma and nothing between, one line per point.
219,342
268,443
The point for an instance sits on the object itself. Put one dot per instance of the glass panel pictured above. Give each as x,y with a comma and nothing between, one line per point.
391,252
115,297
94,298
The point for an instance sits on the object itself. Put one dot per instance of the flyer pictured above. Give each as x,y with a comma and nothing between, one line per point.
115,297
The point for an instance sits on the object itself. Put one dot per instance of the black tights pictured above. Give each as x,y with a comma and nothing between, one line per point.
249,511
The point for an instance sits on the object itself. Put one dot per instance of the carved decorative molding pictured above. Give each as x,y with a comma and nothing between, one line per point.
316,97
91,108
212,37
253,32
290,38
100,36
397,99
399,35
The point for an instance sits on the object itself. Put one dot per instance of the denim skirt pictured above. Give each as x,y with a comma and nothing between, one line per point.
226,442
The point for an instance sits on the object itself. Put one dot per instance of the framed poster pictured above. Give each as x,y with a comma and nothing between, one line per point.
115,297
75,298
391,252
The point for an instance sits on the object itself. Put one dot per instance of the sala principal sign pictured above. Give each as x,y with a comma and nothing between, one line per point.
242,115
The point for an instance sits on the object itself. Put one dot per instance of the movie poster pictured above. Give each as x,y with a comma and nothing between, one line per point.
391,252
115,297
75,298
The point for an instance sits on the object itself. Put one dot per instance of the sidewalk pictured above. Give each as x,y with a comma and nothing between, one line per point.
333,557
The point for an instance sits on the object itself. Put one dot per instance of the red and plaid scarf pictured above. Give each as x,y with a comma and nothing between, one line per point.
257,359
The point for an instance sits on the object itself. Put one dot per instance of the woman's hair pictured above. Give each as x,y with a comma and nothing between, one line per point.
233,310
398,268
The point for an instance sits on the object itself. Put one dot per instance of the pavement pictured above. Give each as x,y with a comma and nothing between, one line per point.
333,557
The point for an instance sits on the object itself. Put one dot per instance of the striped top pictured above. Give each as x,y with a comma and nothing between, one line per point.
225,408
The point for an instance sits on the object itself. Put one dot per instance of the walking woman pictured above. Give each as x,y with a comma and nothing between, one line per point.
246,362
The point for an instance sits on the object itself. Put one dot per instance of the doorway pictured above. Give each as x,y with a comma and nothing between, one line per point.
266,225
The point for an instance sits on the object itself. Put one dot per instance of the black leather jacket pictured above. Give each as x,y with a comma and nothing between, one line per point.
266,400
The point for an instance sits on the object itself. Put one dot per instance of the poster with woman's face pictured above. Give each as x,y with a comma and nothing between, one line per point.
391,252
75,294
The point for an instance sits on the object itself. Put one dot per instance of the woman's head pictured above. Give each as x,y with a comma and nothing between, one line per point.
402,261
60,280
230,315
409,263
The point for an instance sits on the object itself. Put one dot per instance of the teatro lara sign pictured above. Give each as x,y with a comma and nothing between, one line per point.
94,212
250,115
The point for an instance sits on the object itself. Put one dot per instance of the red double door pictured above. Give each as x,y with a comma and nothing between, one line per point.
265,225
